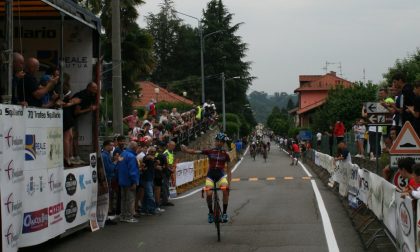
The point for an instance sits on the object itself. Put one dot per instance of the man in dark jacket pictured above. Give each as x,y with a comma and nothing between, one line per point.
128,178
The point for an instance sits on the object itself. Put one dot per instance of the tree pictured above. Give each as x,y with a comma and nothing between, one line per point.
409,66
224,52
136,43
344,104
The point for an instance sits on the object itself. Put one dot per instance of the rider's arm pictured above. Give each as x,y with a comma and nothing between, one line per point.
190,151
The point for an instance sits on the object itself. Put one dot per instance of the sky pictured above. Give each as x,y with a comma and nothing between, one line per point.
288,38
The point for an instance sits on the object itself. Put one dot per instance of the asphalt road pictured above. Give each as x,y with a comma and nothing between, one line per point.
266,215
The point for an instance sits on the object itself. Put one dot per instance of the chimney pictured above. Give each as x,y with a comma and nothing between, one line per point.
333,73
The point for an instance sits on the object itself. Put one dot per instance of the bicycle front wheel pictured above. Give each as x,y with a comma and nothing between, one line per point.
217,215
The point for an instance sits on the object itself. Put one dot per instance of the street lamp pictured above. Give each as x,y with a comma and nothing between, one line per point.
200,30
184,94
223,98
202,38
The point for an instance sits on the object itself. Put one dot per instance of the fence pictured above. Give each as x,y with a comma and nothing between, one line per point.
364,189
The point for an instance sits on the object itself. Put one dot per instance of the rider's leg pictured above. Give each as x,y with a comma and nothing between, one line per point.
210,201
225,200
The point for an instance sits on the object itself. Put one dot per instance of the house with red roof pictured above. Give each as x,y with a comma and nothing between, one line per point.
150,90
313,93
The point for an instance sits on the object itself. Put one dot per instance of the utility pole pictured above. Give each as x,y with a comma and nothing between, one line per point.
203,93
116,69
8,52
223,103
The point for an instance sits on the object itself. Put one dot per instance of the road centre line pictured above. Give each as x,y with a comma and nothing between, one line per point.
199,189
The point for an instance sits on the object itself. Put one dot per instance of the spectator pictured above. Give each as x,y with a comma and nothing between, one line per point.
407,97
415,109
128,179
116,154
384,161
330,134
405,166
170,169
151,108
359,132
29,92
343,153
295,153
387,102
18,75
318,140
87,104
141,153
110,170
149,203
49,99
414,188
238,145
164,117
339,131
161,166
137,130
131,120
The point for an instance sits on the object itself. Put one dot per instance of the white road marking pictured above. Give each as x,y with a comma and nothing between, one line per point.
199,189
328,230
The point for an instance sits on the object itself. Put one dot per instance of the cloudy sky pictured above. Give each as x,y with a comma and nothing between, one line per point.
287,38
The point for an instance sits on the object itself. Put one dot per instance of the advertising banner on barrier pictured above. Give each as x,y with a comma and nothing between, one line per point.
43,206
103,196
79,183
406,229
364,185
353,188
12,174
184,173
376,194
390,208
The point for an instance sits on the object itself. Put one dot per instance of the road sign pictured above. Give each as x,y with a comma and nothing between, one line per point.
375,108
407,141
380,119
395,158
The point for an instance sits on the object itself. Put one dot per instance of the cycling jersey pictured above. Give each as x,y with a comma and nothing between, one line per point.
217,158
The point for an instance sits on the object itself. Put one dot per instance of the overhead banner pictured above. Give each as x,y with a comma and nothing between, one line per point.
43,216
184,173
12,174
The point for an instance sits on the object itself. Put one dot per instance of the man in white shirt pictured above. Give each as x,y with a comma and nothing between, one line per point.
318,140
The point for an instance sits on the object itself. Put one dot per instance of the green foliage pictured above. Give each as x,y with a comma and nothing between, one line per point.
344,104
279,121
181,107
293,132
233,118
232,129
409,66
262,104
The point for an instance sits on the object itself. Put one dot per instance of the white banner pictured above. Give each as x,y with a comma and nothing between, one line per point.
364,185
184,173
406,229
79,183
12,174
390,208
43,216
94,195
376,192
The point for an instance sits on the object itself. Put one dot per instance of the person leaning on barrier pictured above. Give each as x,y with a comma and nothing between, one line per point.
405,166
414,191
170,169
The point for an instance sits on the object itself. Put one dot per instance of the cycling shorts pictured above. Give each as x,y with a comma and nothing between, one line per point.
216,176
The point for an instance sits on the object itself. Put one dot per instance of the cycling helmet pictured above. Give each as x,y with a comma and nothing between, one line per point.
221,137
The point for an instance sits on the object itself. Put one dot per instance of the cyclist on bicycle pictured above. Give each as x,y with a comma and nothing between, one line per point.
218,158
